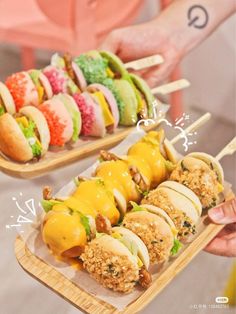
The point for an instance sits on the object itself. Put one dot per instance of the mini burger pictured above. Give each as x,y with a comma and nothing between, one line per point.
117,177
24,137
42,85
202,174
22,89
6,101
145,109
98,109
180,203
65,232
63,118
58,77
97,196
131,93
155,228
118,261
74,72
108,103
139,170
151,151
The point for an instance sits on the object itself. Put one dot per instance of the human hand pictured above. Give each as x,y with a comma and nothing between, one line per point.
139,41
225,242
168,35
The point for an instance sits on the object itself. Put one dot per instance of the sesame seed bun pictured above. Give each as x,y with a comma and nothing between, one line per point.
212,163
186,192
12,140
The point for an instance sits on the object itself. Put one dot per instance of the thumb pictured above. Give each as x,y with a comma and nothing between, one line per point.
112,42
224,213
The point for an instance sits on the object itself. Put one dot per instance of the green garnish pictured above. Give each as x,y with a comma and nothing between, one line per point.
145,193
34,75
136,207
85,222
169,166
2,110
183,166
76,181
176,247
29,134
48,204
99,235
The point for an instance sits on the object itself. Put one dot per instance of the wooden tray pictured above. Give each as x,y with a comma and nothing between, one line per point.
53,160
87,303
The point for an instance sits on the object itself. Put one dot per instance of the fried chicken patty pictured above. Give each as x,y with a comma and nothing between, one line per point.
184,224
113,271
153,231
201,180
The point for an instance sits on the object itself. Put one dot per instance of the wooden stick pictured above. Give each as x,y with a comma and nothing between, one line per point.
229,149
171,87
144,62
193,127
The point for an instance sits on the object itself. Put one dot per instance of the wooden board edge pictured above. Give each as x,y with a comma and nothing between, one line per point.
29,171
23,255
174,269
26,259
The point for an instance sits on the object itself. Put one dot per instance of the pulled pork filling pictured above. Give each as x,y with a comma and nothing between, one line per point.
202,182
116,272
184,224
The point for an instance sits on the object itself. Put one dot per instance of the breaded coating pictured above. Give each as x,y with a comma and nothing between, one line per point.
184,224
116,272
156,234
203,182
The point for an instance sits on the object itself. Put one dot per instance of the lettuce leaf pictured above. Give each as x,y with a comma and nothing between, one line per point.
2,110
29,134
136,207
176,247
48,204
34,75
85,222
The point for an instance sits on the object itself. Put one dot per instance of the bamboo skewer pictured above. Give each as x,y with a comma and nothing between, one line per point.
193,127
171,87
144,62
229,149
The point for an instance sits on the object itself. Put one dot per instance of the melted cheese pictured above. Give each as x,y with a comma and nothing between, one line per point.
152,156
110,73
63,231
107,116
23,120
99,198
77,204
116,175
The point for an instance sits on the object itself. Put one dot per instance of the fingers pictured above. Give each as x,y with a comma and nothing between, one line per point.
222,246
225,213
111,42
